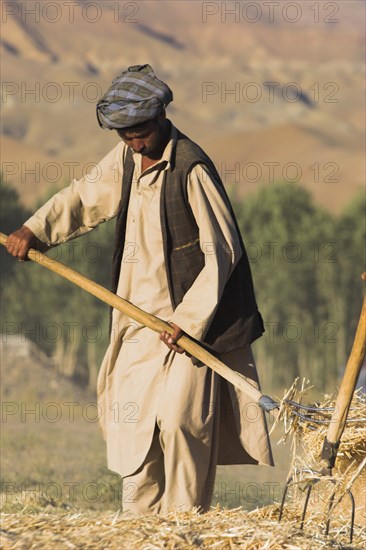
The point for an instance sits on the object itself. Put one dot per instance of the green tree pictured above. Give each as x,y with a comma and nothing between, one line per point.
351,231
290,244
62,319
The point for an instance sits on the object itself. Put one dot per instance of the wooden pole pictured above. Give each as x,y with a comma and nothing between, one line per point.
152,322
345,394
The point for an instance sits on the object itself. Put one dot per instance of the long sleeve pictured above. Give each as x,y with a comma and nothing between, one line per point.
82,205
220,244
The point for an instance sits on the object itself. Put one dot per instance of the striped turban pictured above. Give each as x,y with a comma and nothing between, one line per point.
135,96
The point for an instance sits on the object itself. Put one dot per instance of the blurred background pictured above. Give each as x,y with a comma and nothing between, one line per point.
274,93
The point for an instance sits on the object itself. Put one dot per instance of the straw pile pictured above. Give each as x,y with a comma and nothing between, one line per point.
308,436
307,442
221,529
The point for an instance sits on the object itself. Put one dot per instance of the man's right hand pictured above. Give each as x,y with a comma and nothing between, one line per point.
19,242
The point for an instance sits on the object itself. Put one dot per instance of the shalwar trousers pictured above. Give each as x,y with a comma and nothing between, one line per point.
178,472
168,422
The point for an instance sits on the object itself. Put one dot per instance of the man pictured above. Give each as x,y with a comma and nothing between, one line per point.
167,420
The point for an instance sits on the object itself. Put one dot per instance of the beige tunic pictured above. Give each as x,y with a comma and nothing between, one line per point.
134,370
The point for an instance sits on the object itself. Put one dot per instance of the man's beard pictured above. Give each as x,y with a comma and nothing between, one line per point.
151,153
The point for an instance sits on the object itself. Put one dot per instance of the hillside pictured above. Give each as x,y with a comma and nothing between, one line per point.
250,87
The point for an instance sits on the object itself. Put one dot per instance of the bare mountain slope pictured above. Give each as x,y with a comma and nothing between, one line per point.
272,90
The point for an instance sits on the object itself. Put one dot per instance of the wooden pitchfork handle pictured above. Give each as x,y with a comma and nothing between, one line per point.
345,394
154,323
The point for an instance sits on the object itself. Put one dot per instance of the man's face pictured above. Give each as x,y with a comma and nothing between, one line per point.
146,139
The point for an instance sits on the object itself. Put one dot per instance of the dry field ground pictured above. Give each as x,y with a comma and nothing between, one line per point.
222,529
58,494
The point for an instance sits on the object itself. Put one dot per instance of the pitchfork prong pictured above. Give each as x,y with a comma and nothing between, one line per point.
310,485
319,410
331,502
305,505
305,413
285,489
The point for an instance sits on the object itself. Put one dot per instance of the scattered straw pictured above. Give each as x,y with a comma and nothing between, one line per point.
222,529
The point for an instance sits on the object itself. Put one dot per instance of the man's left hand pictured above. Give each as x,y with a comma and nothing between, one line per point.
171,339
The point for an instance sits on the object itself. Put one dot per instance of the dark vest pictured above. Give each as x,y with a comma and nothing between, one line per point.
237,321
